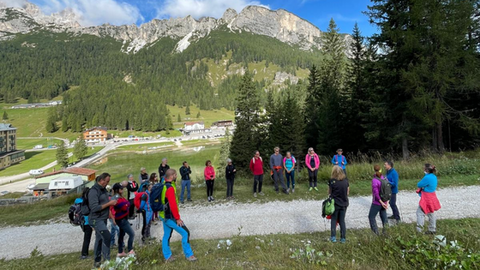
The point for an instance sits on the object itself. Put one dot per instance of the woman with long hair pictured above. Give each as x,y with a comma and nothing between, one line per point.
313,163
428,200
338,189
209,174
378,206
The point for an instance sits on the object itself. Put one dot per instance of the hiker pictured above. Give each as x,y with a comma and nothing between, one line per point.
171,219
256,166
313,163
99,205
428,200
113,227
121,219
132,188
230,176
340,160
289,167
85,225
185,172
143,176
392,177
377,204
338,189
146,210
154,180
162,169
276,165
209,174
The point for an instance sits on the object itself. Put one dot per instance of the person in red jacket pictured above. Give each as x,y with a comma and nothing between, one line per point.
256,166
209,174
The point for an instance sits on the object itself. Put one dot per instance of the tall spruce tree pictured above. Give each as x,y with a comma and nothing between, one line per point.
80,149
292,123
5,115
51,124
311,111
62,155
245,137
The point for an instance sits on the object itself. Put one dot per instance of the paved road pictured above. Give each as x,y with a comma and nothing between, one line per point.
226,219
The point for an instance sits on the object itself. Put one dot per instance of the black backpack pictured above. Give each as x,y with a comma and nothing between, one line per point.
75,214
385,190
156,198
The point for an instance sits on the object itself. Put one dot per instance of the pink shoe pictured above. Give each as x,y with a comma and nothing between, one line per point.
123,254
132,252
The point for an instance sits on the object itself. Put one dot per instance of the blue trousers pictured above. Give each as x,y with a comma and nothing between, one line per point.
185,184
113,232
170,225
125,227
290,176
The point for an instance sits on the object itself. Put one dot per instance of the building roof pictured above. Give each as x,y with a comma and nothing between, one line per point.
5,127
94,128
41,186
77,171
193,123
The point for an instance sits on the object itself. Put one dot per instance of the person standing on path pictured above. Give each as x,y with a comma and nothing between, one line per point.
114,230
146,210
99,205
256,166
313,163
392,177
171,220
230,176
143,176
185,172
132,188
162,169
121,219
209,174
377,204
340,160
428,200
86,228
338,189
276,165
154,180
289,166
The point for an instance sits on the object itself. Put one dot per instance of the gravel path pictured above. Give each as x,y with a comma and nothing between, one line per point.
222,220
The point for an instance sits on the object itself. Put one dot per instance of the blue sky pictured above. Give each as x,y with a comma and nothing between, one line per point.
318,12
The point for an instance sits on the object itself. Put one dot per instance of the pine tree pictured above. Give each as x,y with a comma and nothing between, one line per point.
293,126
245,137
179,119
62,155
312,108
198,114
224,154
187,110
5,115
51,124
80,150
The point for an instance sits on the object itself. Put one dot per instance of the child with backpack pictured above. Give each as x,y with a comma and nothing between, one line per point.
121,219
78,214
142,203
379,204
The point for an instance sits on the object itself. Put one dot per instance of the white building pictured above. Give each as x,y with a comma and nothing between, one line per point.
193,126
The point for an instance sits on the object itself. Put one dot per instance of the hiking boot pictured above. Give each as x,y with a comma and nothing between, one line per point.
343,240
333,239
192,259
255,194
288,190
84,257
315,188
123,254
261,193
213,199
169,260
189,200
293,190
310,189
391,217
209,199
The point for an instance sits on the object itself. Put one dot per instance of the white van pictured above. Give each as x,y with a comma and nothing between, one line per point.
36,172
38,146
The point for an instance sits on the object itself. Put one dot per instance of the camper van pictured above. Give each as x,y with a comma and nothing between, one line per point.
62,185
36,172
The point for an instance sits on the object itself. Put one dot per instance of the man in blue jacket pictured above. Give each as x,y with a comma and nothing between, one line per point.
392,177
340,160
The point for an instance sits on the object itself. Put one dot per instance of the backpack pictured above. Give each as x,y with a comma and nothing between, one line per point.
385,190
137,201
75,214
156,198
328,207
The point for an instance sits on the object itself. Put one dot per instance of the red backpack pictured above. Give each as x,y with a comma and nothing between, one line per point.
138,199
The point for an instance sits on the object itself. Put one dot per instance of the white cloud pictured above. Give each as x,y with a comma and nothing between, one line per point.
13,3
95,12
201,8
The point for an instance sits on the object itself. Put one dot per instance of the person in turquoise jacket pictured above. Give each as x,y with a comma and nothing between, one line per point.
86,228
289,167
340,160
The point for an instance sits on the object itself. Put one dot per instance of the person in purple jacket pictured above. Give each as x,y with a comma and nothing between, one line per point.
377,204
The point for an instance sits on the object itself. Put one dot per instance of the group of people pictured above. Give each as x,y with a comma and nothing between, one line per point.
339,188
120,210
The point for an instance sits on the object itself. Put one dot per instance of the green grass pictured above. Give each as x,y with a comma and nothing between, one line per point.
33,160
13,195
26,144
208,117
126,133
142,147
363,250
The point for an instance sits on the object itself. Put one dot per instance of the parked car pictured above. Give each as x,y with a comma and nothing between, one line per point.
38,146
36,172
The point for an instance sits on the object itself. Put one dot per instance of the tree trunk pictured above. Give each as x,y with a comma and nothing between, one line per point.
406,153
441,145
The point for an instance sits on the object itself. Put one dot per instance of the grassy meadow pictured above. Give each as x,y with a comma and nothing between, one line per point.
400,248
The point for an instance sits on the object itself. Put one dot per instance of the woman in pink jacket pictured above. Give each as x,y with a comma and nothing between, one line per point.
313,162
209,174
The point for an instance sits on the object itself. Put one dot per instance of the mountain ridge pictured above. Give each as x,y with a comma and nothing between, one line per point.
279,24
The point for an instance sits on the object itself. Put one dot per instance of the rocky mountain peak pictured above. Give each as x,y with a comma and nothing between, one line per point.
229,15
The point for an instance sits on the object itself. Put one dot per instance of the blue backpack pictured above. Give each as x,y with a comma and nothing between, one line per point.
156,198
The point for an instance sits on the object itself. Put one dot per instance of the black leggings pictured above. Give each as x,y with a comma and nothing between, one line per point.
87,237
312,177
209,187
